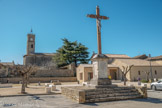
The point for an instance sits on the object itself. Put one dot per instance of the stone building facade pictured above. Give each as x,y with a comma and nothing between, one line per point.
6,70
115,63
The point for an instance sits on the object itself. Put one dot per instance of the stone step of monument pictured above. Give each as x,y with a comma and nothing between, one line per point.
110,89
113,98
113,89
111,95
100,91
106,86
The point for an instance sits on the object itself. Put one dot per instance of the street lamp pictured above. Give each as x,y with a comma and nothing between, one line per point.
150,68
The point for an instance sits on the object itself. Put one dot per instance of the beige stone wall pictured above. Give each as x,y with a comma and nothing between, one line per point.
133,74
142,69
80,69
54,72
120,64
158,61
86,70
42,80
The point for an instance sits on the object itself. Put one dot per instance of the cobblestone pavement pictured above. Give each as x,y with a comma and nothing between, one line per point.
154,100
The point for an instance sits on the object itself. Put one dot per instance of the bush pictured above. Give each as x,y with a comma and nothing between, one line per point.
144,81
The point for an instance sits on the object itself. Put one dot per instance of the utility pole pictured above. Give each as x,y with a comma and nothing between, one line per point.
150,68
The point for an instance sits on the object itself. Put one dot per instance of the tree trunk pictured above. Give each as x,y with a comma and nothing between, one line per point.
124,80
26,81
23,84
147,77
75,61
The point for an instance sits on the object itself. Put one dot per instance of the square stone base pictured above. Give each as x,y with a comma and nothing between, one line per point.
103,93
100,81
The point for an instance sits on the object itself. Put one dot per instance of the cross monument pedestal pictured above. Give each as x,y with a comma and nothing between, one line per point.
100,73
100,70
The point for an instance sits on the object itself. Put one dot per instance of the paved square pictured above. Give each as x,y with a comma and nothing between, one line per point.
58,101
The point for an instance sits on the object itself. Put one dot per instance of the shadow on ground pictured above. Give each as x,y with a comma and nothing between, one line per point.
34,97
91,104
150,100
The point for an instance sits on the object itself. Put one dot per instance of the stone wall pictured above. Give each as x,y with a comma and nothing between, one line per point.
76,93
43,71
134,74
54,72
86,94
72,93
39,60
86,70
37,79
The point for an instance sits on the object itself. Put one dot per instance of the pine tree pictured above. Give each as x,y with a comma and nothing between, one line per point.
71,52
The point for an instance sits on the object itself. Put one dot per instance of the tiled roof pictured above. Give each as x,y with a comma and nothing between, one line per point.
141,57
7,63
46,54
86,65
113,55
41,54
138,62
156,58
90,65
117,56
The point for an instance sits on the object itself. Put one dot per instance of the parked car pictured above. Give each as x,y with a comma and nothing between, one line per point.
156,85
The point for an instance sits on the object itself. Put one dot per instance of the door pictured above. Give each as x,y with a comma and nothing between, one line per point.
90,75
113,74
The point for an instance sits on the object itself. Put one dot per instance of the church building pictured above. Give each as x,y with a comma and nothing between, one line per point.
33,58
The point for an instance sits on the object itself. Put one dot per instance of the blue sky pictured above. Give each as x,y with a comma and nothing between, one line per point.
134,27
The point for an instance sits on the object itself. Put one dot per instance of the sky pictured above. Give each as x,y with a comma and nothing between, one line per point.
134,27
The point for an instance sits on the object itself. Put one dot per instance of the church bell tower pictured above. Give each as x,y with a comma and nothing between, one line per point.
30,43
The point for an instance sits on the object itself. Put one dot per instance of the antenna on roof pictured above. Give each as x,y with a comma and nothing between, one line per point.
31,30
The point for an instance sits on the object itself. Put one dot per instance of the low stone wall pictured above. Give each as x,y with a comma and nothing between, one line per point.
37,79
54,72
142,91
70,92
86,94
76,93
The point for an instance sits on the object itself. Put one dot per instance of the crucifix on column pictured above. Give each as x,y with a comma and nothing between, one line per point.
98,20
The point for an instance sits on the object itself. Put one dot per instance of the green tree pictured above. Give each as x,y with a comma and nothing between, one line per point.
71,52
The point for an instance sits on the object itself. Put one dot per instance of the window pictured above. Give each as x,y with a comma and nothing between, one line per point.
81,76
139,73
31,45
155,72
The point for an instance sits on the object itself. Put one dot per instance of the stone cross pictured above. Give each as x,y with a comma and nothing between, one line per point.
98,20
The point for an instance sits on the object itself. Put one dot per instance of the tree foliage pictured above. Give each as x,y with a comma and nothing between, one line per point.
71,52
